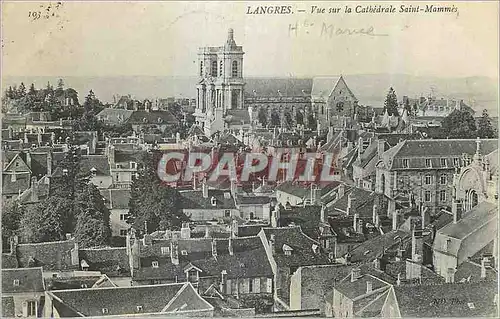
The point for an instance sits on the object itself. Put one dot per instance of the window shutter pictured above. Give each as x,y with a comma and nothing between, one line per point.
256,285
269,285
25,308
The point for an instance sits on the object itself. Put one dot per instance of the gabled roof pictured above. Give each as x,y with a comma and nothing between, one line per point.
152,117
21,183
22,280
112,261
99,162
193,199
9,260
374,248
115,115
303,254
116,198
49,255
357,288
269,87
126,300
469,271
447,300
323,86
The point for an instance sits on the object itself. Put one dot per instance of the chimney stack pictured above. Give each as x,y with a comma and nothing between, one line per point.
369,287
355,222
323,214
422,212
34,189
349,203
416,245
483,267
272,243
223,274
204,188
174,252
214,248
360,147
207,232
275,216
395,220
185,231
374,214
49,163
456,210
230,246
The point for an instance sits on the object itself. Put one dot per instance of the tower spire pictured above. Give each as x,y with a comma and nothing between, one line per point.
230,39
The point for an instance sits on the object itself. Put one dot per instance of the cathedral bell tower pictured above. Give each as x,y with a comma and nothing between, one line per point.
220,85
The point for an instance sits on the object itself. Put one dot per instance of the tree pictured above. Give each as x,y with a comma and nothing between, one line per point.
88,120
92,227
262,117
391,103
300,118
22,90
48,220
311,122
459,124
408,107
12,213
153,206
484,127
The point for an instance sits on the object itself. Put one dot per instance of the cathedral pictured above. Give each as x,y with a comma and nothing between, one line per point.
227,100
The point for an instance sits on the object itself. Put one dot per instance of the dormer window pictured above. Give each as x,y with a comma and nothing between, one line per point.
105,311
213,201
227,195
65,172
16,282
443,162
133,165
184,252
287,250
428,163
139,308
154,264
165,250
456,162
93,171
447,245
160,120
406,163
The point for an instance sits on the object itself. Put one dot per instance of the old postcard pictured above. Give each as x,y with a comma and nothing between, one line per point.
249,159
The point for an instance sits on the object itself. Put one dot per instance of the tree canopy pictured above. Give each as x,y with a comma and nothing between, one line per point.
391,103
459,124
484,127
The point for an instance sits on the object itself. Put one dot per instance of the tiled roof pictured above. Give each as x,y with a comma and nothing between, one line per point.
269,87
99,162
323,86
471,272
112,261
358,288
307,217
49,255
416,151
470,221
249,259
120,300
152,117
362,202
193,199
9,260
302,254
8,307
116,198
21,183
447,300
22,280
373,248
399,267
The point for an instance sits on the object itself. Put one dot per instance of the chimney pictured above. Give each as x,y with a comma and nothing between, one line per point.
223,274
14,241
34,189
174,252
374,214
195,182
214,248
349,203
233,187
398,281
340,191
380,148
395,220
147,240
230,246
204,188
135,254
360,147
49,163
272,243
369,287
234,228
207,232
185,231
456,210
39,138
28,159
355,274
416,245
423,210
483,267
355,222
10,132
323,214
111,154
329,136
275,216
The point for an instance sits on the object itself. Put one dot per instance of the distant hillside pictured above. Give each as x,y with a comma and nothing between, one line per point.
479,92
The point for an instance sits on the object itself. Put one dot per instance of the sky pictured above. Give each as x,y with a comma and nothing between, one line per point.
162,38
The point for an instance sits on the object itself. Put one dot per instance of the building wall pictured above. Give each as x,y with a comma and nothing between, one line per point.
20,300
283,198
102,181
390,308
262,211
209,214
342,306
115,222
341,94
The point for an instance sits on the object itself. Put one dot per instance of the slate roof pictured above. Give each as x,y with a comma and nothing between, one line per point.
416,151
399,267
193,199
358,288
249,259
9,260
112,261
39,164
238,116
152,117
115,115
116,198
49,255
268,87
252,200
8,307
471,272
30,280
119,300
294,189
99,162
323,86
21,184
307,217
447,300
78,282
373,248
362,202
302,254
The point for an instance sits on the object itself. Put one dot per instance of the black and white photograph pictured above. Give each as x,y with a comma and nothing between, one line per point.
249,159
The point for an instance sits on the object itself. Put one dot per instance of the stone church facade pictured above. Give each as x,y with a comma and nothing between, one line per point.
227,100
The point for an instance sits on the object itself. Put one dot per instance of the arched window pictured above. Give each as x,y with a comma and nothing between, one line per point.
234,70
201,68
213,72
220,68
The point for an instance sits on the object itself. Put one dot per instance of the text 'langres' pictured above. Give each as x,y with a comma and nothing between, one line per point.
269,10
